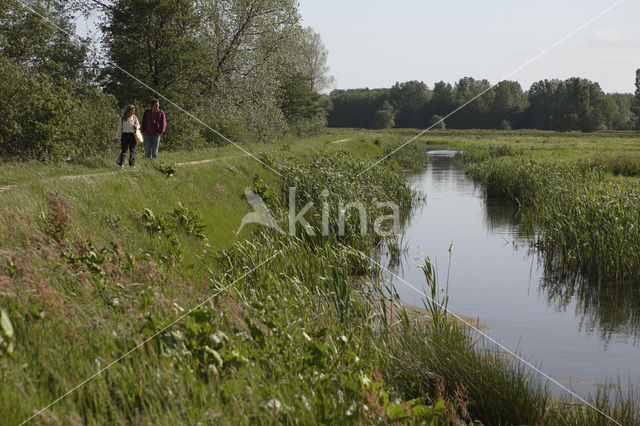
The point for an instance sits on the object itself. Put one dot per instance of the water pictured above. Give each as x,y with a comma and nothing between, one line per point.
498,279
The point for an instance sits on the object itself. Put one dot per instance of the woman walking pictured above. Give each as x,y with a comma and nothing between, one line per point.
127,126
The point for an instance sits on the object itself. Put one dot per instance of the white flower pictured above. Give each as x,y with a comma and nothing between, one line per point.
274,405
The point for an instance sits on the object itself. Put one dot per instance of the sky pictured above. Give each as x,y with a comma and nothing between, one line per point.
375,43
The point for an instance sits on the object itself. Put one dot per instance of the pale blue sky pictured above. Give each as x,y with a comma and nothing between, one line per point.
374,43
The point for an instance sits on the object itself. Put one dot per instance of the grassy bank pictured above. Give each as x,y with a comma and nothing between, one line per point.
92,266
583,209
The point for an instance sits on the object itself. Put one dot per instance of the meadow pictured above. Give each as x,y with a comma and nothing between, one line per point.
288,329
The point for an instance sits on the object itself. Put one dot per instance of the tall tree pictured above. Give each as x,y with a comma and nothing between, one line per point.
384,117
636,100
475,114
508,104
443,99
26,38
313,60
225,60
304,108
409,100
254,52
156,41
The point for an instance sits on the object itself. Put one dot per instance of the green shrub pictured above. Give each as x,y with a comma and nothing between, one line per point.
51,120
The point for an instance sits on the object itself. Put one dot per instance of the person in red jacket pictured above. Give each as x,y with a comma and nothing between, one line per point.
154,123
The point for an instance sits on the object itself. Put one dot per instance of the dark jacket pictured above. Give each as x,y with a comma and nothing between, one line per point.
154,123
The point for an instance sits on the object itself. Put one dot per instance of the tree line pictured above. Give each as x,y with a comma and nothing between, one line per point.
247,68
572,104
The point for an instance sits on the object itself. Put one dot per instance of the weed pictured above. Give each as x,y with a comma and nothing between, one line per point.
56,223
169,170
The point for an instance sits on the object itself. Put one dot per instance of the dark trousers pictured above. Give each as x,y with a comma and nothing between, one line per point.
128,143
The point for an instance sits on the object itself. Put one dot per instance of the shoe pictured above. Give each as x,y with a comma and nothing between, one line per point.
119,163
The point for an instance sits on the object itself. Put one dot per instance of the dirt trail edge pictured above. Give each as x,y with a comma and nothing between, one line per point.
186,163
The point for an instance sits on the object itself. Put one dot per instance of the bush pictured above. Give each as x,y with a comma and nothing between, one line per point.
50,120
504,125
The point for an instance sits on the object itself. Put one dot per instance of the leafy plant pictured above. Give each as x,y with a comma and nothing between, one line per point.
169,170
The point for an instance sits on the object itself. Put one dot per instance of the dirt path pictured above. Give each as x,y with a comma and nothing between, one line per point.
211,160
182,164
100,174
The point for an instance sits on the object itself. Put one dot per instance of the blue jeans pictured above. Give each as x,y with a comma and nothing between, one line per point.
151,145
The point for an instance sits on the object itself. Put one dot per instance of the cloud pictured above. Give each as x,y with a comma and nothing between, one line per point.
615,38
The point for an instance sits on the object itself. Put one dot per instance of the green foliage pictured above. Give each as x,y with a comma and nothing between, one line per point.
384,117
573,104
409,100
48,111
339,175
437,121
304,109
407,157
437,306
504,125
28,39
478,153
230,65
356,107
584,223
635,103
51,120
169,170
181,218
190,221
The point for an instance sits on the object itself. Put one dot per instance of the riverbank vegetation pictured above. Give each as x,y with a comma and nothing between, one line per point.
577,197
141,282
91,267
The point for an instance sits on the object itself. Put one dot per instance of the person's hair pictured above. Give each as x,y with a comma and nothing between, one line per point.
154,101
126,111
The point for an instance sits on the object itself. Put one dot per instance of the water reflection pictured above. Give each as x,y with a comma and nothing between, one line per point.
573,328
609,308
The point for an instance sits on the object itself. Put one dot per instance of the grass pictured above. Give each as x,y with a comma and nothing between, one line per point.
585,220
90,267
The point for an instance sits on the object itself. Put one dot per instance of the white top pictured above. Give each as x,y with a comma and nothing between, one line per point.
127,126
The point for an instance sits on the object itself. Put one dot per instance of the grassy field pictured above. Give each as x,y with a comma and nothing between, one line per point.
95,260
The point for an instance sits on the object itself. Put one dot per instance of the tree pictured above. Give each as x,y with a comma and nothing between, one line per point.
304,109
542,100
573,104
442,99
313,60
384,117
223,60
509,103
636,100
476,113
437,122
356,107
29,40
618,111
409,100
157,41
48,109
